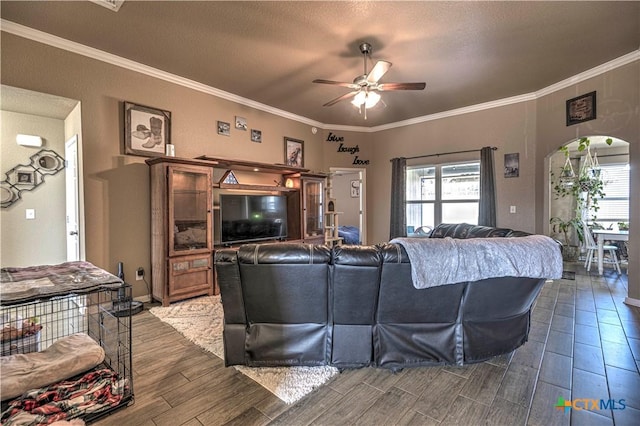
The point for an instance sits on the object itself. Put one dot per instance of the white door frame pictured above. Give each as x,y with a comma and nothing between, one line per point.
362,172
72,226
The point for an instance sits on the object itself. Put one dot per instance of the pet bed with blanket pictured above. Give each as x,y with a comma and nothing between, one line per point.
90,393
67,357
84,370
64,381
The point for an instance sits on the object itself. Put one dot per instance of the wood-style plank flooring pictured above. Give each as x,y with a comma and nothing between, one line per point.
584,343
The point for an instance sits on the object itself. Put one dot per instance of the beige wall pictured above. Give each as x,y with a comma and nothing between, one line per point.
25,242
333,158
117,186
618,115
510,128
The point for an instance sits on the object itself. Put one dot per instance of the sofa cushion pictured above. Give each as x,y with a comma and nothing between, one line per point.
285,290
356,281
465,230
356,278
284,253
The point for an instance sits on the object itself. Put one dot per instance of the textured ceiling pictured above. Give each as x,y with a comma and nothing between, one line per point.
35,103
467,52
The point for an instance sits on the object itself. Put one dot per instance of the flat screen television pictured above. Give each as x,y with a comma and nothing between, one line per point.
246,218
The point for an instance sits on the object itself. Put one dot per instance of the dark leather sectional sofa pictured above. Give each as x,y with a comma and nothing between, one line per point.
355,306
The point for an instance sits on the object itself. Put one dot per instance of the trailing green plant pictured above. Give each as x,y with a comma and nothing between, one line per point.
586,187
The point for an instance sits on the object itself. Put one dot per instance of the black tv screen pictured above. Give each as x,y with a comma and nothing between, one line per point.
246,218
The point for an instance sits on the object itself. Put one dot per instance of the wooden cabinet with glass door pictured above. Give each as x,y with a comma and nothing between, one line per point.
312,193
181,229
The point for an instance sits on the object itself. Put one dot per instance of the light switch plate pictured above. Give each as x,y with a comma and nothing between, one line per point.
512,209
30,213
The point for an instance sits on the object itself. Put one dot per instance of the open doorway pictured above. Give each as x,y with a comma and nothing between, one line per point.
347,187
41,237
589,191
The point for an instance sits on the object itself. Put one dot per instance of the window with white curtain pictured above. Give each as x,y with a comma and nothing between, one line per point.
447,193
614,206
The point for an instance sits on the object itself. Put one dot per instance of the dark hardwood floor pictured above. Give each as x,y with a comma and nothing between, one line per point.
584,344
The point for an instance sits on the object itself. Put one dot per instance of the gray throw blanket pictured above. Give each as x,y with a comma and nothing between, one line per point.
439,261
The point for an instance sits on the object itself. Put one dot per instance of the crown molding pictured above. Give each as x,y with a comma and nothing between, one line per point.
81,49
593,72
100,55
458,111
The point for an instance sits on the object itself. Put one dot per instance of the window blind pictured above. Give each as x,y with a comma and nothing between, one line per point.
614,206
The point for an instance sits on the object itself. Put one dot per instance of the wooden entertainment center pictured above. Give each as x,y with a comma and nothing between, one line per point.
185,214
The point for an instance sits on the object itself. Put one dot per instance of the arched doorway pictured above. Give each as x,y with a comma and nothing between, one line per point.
603,207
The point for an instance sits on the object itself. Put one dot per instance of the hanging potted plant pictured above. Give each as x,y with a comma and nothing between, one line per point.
584,188
587,186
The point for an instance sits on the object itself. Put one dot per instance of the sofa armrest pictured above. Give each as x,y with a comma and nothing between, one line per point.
235,323
228,275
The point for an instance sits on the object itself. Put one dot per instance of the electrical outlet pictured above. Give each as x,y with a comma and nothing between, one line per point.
139,274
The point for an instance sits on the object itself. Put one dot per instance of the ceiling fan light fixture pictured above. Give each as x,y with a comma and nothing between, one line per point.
368,99
371,100
358,99
366,86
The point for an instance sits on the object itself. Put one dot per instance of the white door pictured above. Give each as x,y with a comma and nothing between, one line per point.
71,180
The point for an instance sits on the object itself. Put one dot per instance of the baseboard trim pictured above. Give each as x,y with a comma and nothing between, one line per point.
632,302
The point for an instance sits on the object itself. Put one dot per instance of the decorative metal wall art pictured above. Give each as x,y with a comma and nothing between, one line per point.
27,177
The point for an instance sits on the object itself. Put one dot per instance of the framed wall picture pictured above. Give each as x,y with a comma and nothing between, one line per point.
581,108
224,128
241,123
146,130
256,135
512,165
293,152
355,188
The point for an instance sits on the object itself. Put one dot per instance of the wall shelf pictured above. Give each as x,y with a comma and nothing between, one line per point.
245,187
250,166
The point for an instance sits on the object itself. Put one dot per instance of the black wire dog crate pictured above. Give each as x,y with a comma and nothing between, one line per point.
33,326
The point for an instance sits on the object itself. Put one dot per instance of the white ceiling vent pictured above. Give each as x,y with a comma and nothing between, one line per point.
109,4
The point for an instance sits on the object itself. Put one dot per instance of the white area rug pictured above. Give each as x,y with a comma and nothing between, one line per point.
200,321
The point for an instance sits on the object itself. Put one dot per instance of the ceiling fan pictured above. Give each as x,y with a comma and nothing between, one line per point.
366,86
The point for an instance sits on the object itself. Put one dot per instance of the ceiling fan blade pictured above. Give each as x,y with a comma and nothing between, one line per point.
401,86
378,70
341,98
336,83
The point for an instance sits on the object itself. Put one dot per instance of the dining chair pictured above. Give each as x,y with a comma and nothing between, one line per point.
591,246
